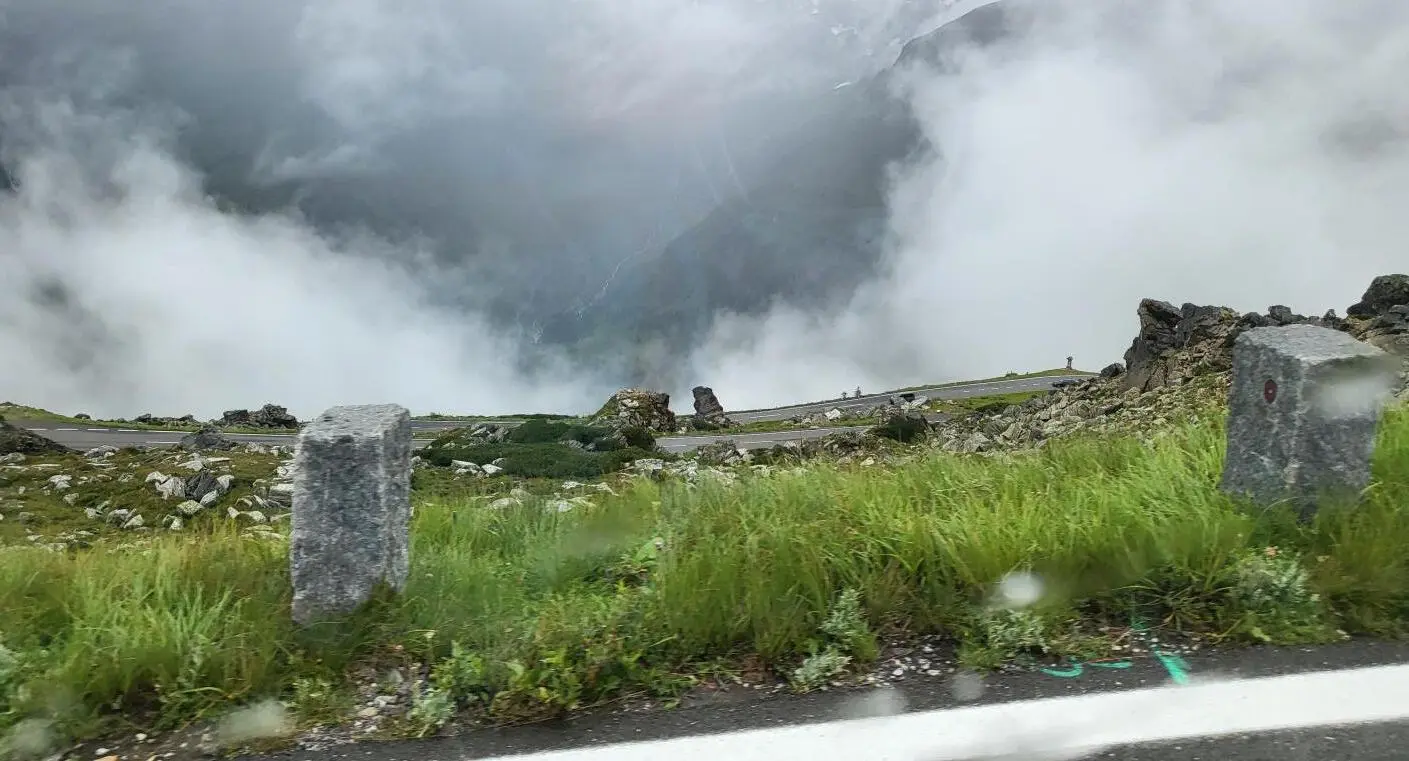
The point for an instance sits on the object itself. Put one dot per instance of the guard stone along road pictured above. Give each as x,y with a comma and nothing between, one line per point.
82,438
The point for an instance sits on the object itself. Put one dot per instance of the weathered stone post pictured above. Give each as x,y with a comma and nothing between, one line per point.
351,508
1303,412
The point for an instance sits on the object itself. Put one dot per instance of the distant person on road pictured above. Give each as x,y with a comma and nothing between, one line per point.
858,392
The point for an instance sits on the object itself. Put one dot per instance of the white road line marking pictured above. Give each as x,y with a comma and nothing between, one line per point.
1067,727
66,429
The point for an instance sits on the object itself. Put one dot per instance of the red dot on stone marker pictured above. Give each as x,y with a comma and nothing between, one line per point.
1269,391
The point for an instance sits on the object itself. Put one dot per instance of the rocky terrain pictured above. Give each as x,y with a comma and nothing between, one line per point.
270,416
1178,365
66,500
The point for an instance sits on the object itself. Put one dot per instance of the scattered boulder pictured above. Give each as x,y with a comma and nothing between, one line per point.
149,419
637,408
203,487
901,423
268,416
1112,370
726,452
709,413
16,440
206,439
842,446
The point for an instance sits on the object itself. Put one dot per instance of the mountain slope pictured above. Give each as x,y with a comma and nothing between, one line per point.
808,233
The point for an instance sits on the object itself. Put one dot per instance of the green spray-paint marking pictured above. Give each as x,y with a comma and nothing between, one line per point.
1076,668
1177,667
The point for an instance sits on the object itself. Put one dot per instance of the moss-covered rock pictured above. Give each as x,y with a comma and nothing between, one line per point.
637,408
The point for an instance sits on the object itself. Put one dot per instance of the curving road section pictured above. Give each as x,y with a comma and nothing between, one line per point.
961,391
78,437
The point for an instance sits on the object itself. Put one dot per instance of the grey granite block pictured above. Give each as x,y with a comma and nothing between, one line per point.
351,509
1303,413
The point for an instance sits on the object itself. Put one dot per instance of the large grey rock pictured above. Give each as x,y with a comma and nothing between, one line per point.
268,416
208,438
351,509
709,413
1303,411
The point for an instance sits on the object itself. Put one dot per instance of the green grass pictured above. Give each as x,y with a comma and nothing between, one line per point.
538,449
530,611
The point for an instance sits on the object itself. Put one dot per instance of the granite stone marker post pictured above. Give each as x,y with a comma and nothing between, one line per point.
1303,412
351,509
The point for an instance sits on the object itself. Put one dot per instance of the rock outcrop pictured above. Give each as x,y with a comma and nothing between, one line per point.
148,418
268,416
16,440
1384,294
709,413
207,439
1179,365
1383,315
637,408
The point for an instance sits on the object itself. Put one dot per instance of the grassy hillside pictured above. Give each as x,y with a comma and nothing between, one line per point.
542,604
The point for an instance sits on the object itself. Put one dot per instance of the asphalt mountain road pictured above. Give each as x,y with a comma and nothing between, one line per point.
77,437
963,391
88,438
